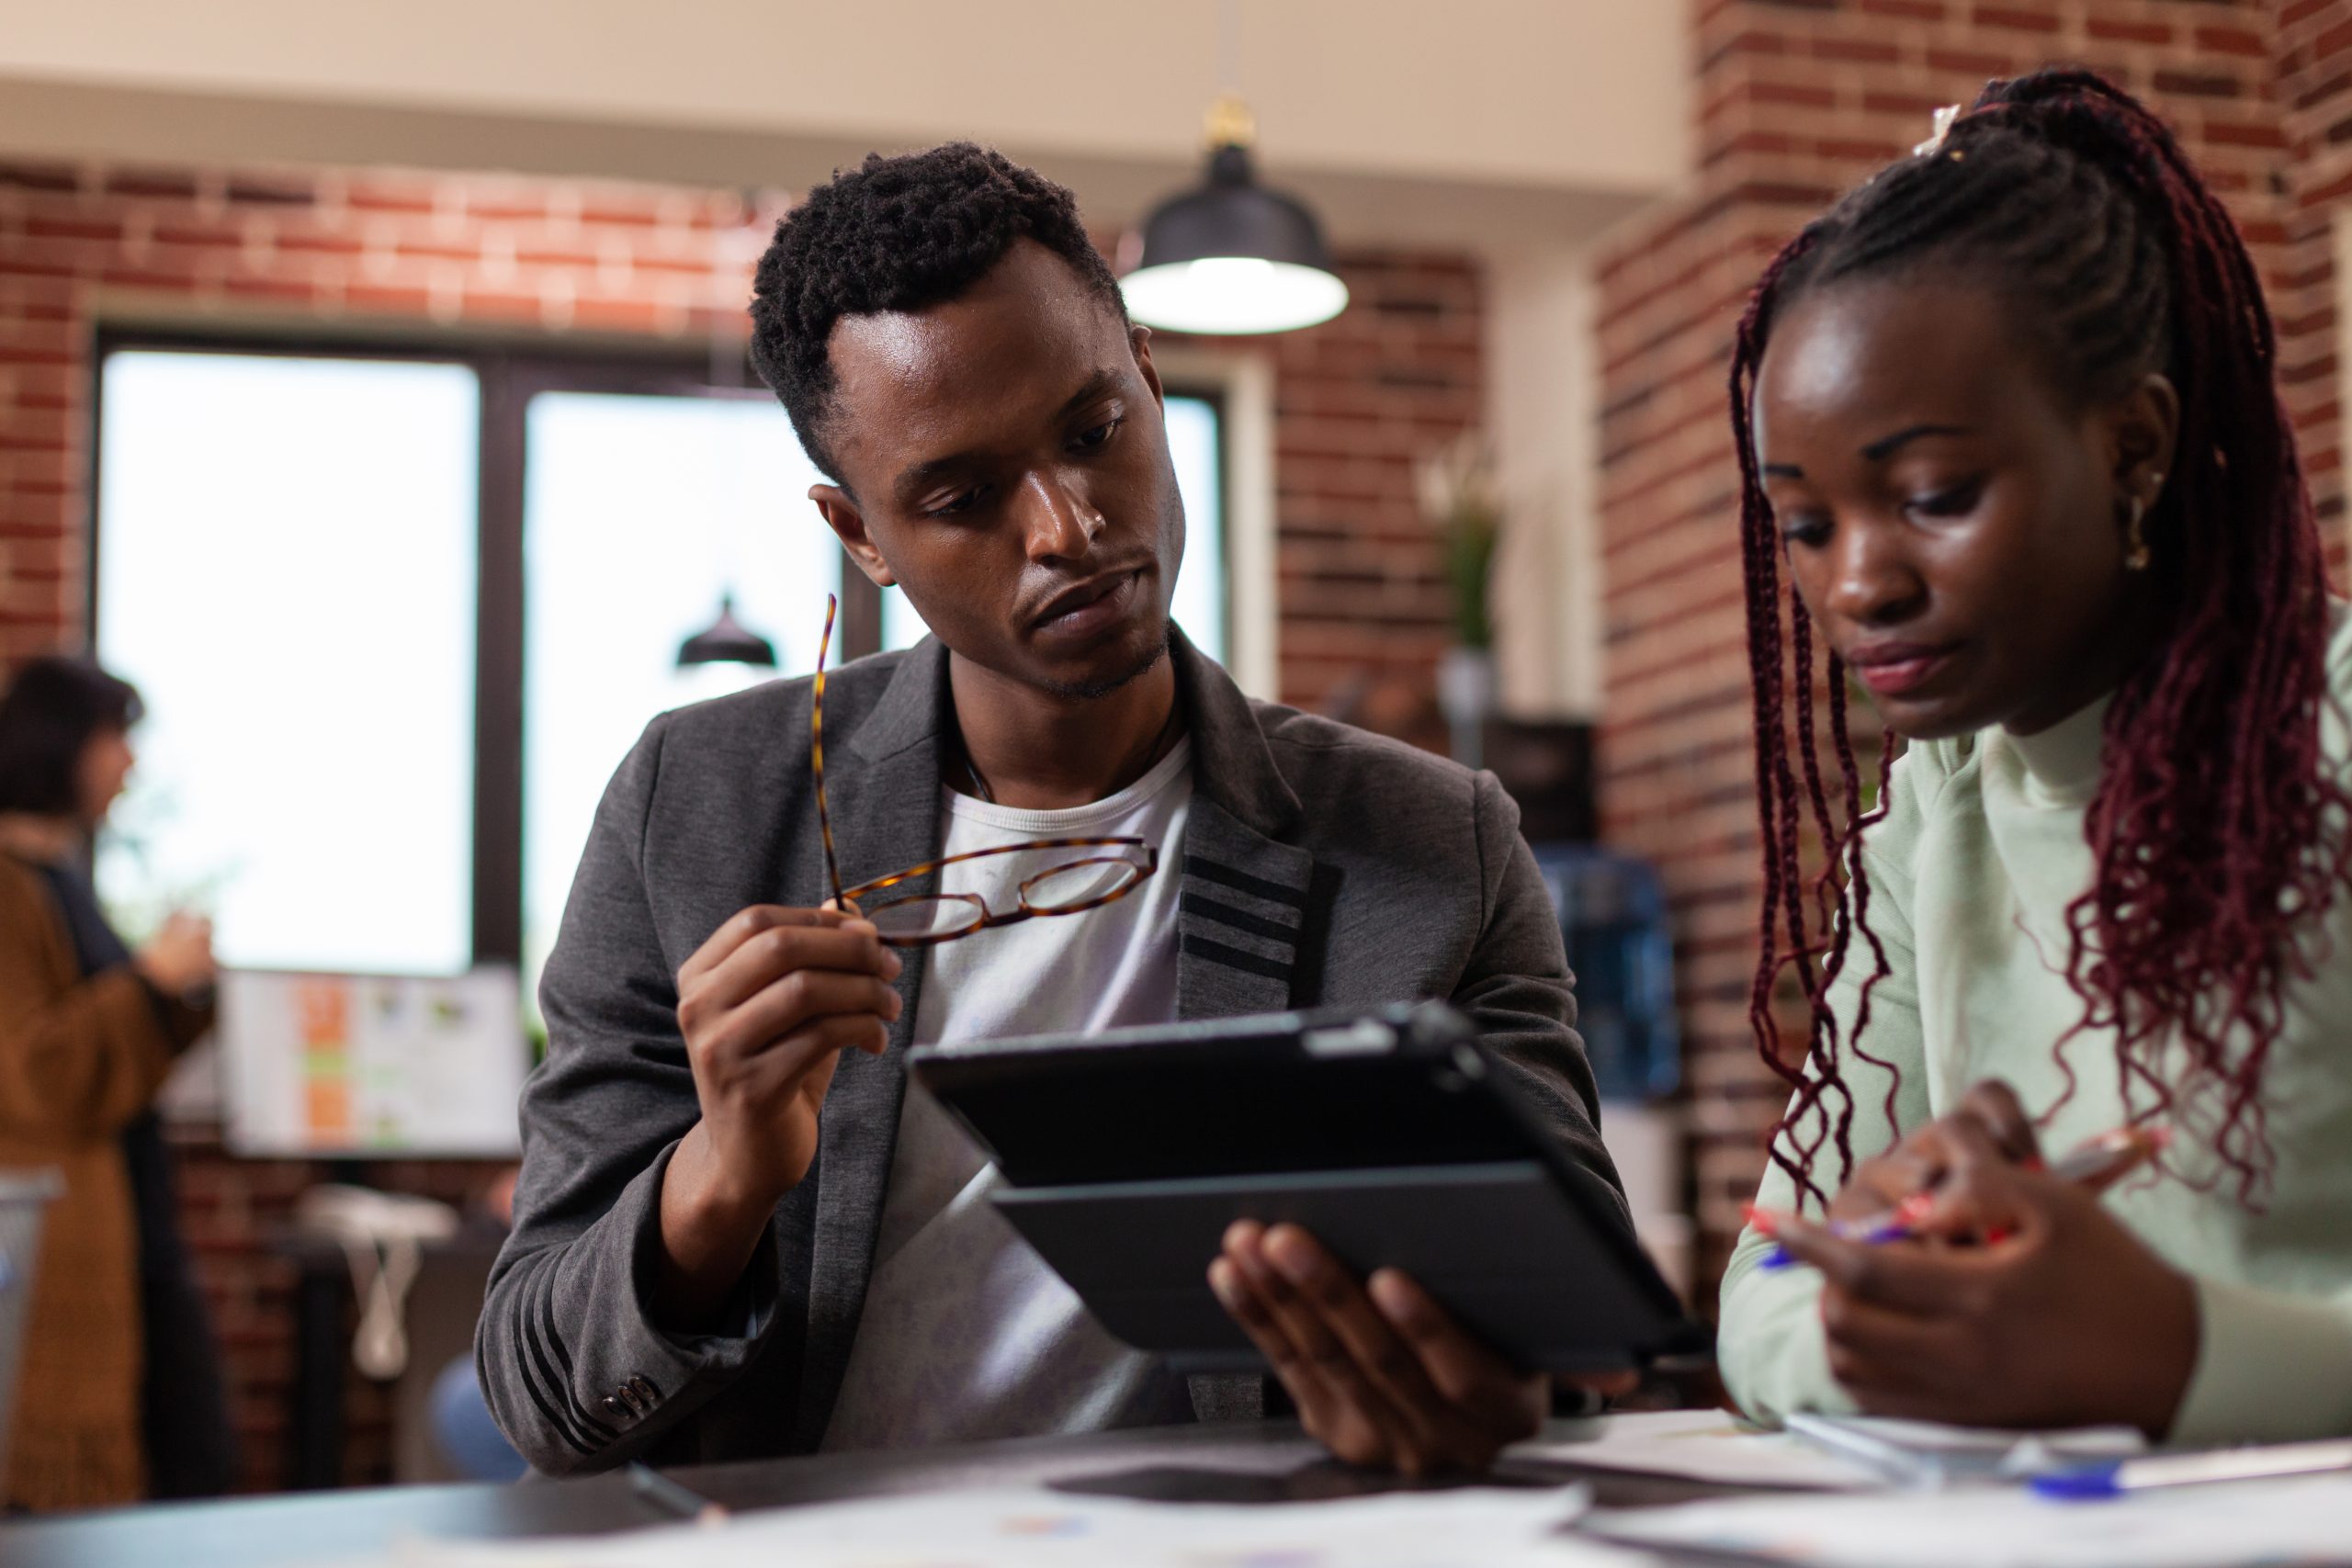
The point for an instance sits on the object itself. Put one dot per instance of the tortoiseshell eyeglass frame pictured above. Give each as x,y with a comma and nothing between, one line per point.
1143,864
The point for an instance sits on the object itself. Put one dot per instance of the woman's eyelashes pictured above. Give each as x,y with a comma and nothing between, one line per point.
1802,526
1949,500
1811,525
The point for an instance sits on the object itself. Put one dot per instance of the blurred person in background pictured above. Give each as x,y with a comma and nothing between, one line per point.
119,1395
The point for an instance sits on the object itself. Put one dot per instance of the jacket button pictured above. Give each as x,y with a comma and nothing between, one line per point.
643,1390
614,1408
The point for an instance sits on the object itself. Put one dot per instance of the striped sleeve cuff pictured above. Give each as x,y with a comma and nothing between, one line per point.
602,1375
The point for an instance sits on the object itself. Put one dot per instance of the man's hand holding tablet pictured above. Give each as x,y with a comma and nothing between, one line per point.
1381,1375
1383,1215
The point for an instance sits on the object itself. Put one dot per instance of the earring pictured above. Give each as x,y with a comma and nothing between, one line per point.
2135,552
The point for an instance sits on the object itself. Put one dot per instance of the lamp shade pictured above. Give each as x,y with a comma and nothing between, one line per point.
727,641
1232,257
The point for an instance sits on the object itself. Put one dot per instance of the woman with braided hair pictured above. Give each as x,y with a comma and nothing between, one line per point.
2008,433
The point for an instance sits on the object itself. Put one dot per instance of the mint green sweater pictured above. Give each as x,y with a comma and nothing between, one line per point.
1971,872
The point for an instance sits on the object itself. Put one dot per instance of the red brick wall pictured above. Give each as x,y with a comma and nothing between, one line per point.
1363,601
1798,99
1362,606
2312,43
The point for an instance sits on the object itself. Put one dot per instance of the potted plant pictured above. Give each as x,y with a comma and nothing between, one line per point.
1463,502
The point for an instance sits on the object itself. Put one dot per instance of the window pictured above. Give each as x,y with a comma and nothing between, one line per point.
398,618
639,510
1201,589
286,549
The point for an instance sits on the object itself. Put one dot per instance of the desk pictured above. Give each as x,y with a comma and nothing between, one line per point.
1269,1461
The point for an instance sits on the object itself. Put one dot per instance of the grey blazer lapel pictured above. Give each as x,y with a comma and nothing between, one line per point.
1242,916
883,788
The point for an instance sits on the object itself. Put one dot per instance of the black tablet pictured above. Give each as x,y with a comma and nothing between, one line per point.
1391,1134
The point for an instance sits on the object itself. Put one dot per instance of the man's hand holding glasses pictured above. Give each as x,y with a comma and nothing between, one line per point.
770,1002
767,1006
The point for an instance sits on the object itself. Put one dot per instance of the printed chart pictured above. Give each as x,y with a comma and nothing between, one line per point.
371,1064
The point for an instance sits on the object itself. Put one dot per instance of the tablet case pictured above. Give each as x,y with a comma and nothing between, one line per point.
1392,1136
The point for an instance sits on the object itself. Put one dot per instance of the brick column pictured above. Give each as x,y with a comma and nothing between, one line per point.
2313,45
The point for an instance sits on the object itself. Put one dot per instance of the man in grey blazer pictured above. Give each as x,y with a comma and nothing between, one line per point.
736,1232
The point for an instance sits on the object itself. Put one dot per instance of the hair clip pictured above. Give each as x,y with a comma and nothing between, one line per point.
1946,118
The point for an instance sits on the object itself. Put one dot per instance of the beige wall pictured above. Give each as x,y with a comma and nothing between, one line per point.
1404,119
1543,391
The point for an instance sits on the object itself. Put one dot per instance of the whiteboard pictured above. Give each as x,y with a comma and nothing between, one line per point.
358,1065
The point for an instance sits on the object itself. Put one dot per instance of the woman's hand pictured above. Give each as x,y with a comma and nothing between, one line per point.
1908,1177
2023,1302
1381,1375
179,958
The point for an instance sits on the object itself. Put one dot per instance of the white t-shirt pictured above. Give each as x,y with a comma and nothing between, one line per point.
967,1334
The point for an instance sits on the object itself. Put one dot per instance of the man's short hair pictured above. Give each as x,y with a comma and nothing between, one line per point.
899,234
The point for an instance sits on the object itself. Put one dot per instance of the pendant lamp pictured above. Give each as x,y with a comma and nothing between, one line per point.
1230,255
727,641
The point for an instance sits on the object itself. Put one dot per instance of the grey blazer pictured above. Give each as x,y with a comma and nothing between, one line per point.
1321,865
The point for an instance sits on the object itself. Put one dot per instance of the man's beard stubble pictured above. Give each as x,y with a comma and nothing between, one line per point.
1088,691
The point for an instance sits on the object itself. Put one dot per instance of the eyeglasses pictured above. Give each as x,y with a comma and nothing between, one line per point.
1068,887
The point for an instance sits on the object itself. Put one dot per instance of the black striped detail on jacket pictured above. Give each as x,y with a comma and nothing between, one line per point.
1199,908
1235,958
1256,886
546,1356
1225,914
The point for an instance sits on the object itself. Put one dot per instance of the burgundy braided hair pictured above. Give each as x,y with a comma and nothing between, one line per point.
2215,830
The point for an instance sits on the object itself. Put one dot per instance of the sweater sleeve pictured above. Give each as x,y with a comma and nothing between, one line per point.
81,1058
2271,1367
1770,1343
2274,1365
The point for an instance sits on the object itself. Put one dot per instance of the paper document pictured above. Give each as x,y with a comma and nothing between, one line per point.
1473,1528
2194,1527
1711,1446
1861,1452
1928,1456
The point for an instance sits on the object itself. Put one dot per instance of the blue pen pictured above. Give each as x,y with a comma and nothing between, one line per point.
2126,1476
2097,1164
1876,1231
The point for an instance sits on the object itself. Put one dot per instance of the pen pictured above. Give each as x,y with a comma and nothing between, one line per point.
671,1498
2195,1470
2097,1164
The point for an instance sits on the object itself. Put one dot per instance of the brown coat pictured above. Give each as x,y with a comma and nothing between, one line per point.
78,1060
